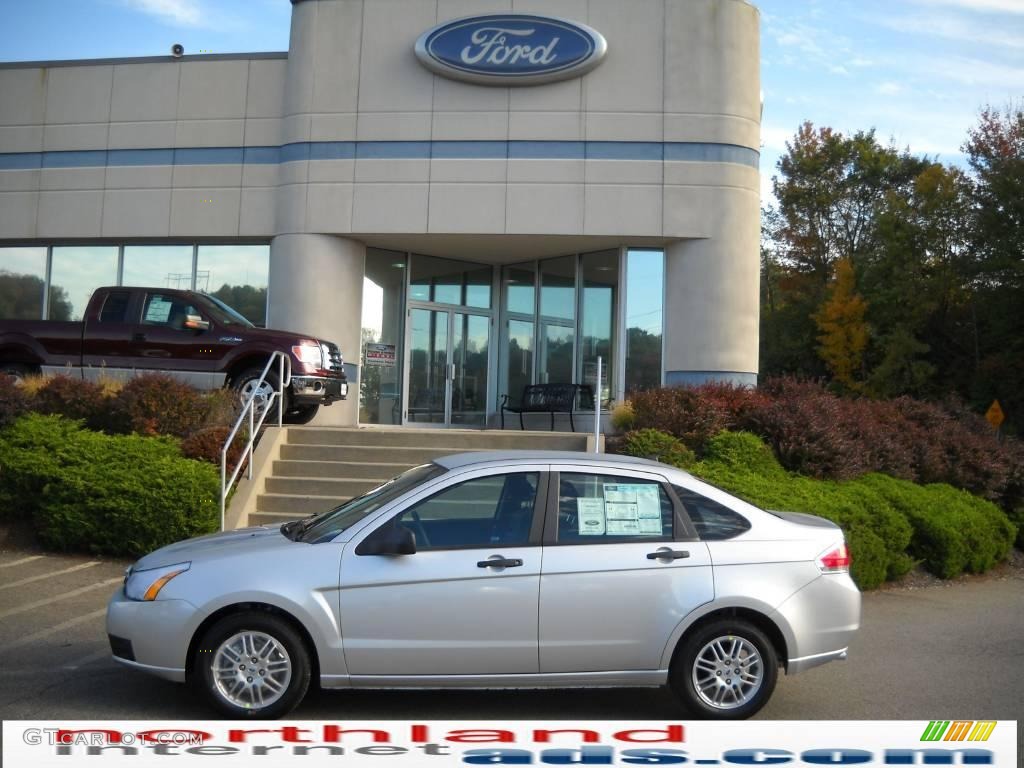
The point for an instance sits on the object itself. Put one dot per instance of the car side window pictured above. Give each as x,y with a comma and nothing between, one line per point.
597,508
496,510
167,311
115,307
713,521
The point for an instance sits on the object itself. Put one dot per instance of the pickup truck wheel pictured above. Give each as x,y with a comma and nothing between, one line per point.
248,382
18,371
301,414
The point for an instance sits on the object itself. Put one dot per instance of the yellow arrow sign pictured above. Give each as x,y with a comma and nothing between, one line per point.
995,415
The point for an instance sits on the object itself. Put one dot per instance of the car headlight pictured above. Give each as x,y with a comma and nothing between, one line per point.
309,352
146,585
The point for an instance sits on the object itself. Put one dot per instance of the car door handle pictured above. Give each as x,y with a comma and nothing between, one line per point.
139,337
500,562
668,554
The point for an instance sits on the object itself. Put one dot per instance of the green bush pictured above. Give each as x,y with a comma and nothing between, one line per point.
954,531
106,494
657,445
889,523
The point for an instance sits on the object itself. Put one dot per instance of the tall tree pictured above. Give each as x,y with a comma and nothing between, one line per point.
844,334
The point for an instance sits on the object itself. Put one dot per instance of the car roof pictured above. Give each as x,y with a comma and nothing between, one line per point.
462,460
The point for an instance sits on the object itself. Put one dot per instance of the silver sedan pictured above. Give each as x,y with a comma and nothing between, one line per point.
498,570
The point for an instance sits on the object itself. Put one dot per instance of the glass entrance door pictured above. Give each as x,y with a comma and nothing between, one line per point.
449,354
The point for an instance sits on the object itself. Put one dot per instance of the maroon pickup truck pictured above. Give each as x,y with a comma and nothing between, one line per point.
191,336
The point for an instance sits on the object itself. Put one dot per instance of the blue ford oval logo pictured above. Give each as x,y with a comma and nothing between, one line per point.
511,49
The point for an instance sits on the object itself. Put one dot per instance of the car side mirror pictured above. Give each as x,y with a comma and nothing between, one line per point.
392,539
196,323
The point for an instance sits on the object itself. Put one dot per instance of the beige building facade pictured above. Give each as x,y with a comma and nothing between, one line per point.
458,240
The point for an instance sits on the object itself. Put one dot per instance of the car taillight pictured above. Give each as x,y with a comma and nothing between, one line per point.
836,560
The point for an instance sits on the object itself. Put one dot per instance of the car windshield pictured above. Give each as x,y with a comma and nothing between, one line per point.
223,313
330,524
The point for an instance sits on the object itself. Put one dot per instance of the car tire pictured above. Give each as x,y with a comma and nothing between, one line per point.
18,371
301,414
246,382
224,673
700,675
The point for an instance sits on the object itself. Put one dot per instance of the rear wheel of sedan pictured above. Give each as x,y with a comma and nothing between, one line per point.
725,670
252,665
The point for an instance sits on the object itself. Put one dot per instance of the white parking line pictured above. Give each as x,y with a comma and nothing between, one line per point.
21,561
63,596
51,631
49,575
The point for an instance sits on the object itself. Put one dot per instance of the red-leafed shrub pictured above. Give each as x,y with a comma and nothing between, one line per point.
14,401
74,398
157,404
206,445
696,414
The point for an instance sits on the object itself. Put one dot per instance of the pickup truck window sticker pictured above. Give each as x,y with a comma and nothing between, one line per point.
158,310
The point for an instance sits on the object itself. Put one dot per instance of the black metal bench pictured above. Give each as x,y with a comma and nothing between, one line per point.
550,398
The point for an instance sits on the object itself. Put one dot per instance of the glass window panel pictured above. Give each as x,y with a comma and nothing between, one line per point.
428,365
447,281
158,266
471,344
380,377
485,512
237,275
22,281
645,281
556,348
558,288
520,357
600,273
593,509
76,272
520,291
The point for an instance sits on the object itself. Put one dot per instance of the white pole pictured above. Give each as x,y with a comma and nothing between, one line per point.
597,410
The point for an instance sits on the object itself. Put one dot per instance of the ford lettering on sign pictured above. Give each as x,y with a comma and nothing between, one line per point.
511,49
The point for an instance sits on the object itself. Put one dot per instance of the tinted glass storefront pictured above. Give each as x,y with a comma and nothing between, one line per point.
445,340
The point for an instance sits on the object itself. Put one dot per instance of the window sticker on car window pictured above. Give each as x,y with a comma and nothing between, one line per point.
632,509
158,310
590,514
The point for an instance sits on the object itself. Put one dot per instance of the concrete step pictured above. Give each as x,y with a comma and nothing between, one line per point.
362,453
318,486
339,469
269,518
295,506
450,440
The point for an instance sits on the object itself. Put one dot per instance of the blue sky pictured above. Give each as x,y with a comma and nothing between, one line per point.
916,70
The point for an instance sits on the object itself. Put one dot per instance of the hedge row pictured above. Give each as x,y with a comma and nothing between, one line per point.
814,432
106,494
889,523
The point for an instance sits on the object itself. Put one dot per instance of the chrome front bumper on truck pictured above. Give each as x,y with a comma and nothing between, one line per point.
319,389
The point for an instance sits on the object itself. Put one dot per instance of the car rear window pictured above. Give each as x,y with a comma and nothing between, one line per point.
713,521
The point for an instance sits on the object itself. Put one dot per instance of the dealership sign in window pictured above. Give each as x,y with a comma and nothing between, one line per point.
380,355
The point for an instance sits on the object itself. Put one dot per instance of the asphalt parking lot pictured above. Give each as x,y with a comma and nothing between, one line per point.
934,652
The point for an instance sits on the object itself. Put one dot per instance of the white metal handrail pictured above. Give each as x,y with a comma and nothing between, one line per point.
284,379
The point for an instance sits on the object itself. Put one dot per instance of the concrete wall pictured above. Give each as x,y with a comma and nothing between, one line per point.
153,149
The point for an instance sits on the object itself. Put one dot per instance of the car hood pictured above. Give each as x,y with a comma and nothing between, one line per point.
243,541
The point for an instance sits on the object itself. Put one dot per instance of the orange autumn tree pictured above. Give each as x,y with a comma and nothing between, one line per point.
843,331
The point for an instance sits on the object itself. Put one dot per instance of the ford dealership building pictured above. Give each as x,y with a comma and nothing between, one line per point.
466,195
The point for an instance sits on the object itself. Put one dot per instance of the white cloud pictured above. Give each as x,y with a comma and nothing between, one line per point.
890,88
182,13
955,27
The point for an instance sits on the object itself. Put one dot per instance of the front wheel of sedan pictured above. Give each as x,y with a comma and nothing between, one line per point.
725,670
252,665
